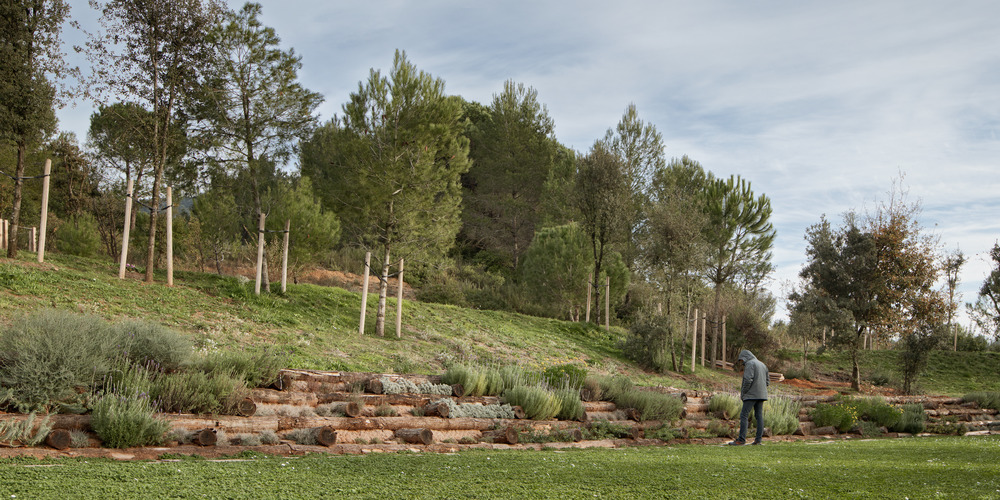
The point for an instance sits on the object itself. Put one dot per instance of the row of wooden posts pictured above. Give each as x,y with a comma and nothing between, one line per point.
40,235
703,320
170,242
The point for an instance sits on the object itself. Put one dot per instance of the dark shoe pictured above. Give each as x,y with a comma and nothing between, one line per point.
736,443
757,443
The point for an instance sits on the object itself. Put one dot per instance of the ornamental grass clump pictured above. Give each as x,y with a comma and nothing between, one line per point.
472,380
537,402
255,368
143,342
570,404
125,420
841,416
568,375
726,403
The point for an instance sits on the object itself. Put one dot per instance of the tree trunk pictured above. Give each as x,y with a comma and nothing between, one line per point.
15,217
154,212
383,290
715,327
855,370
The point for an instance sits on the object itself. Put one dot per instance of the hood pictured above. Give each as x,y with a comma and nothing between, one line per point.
746,356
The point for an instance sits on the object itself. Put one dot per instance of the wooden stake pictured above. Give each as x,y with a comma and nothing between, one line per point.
723,340
260,254
284,256
824,335
399,302
45,211
364,292
704,334
694,341
32,239
607,303
3,234
170,236
128,217
590,281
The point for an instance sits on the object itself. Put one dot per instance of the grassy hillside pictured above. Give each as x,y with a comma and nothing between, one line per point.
317,326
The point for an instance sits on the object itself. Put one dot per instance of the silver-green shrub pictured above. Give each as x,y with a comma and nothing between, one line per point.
404,386
476,410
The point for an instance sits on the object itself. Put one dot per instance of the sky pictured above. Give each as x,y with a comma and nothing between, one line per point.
820,105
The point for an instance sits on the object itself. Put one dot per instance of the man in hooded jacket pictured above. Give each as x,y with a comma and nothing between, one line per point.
753,392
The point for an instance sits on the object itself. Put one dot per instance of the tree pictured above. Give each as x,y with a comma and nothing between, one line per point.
514,158
253,110
986,310
29,55
952,265
215,211
555,268
393,168
604,201
674,248
314,231
739,235
639,148
152,53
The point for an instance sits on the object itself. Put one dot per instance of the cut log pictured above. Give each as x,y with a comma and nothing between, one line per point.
722,415
805,429
693,408
326,435
577,435
375,386
415,436
458,390
437,410
204,437
246,408
508,435
599,406
633,414
520,414
775,377
60,439
825,431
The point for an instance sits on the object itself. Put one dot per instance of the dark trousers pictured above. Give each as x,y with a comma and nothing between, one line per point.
757,405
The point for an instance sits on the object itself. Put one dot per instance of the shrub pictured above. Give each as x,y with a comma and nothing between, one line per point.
781,415
592,385
472,380
474,410
602,429
869,429
841,416
799,373
257,369
44,357
984,399
79,236
719,428
877,411
146,342
302,436
127,420
404,386
570,405
912,420
728,403
663,433
567,375
384,410
198,392
269,438
537,403
651,405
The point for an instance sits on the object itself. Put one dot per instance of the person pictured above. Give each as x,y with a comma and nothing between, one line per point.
753,392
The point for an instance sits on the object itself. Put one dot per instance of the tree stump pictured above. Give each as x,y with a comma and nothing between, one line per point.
60,439
246,408
204,437
416,436
325,435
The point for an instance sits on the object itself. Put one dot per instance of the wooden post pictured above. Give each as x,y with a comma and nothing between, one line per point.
704,334
284,256
170,236
364,292
399,302
32,239
694,341
128,217
45,211
723,341
590,281
607,303
3,234
824,335
260,254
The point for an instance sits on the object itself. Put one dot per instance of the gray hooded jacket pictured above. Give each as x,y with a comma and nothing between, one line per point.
755,379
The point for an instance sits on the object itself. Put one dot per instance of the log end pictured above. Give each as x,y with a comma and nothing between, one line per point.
246,408
375,386
519,413
458,390
204,437
326,436
60,439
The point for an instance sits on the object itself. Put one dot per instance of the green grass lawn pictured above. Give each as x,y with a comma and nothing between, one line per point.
898,468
